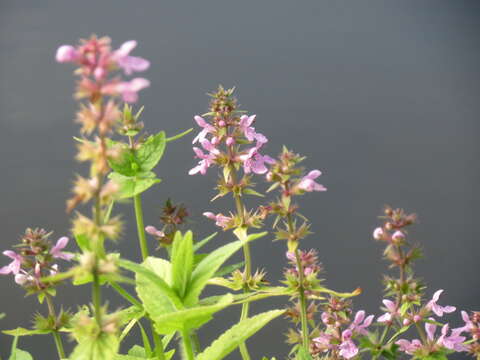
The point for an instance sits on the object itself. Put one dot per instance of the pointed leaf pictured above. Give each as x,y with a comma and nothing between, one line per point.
236,335
151,151
182,261
189,318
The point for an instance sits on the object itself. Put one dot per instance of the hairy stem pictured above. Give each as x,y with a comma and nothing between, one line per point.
303,303
55,333
142,240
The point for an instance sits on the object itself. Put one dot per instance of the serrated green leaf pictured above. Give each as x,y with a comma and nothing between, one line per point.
182,262
125,164
151,151
188,318
237,335
131,186
152,284
104,347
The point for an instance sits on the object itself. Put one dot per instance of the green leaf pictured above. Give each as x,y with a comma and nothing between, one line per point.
83,242
125,164
225,270
151,151
131,186
236,335
25,332
249,191
189,318
182,262
207,268
2,315
104,347
18,354
151,285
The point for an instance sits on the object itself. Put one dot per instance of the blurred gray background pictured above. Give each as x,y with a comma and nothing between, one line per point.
382,96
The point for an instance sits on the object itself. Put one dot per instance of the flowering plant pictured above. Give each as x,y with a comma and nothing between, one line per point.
168,286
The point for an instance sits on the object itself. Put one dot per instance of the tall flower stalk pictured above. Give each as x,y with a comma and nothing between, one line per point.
230,141
287,176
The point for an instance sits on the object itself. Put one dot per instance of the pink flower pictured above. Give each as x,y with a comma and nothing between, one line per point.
244,125
220,219
438,309
129,89
348,349
468,323
152,230
254,162
23,278
128,63
206,159
378,233
392,312
307,183
360,323
398,236
57,252
409,347
207,129
14,266
454,341
66,53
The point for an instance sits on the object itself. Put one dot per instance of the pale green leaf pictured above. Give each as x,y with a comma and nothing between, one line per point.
18,354
104,347
131,186
237,335
182,262
189,318
25,332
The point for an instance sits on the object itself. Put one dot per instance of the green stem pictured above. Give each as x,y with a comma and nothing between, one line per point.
303,303
142,240
97,298
124,293
140,226
56,335
158,344
187,345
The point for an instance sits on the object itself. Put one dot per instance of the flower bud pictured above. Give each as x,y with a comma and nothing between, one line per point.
406,322
378,233
230,141
388,226
417,318
222,123
66,53
398,236
269,176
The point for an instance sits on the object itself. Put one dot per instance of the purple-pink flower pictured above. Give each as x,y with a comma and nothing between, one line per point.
14,266
207,129
438,309
360,323
392,311
128,63
378,233
220,219
409,347
254,162
348,349
66,53
308,183
129,89
152,230
57,252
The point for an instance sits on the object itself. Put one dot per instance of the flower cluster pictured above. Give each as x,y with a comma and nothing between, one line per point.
35,258
173,216
340,330
222,137
97,61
